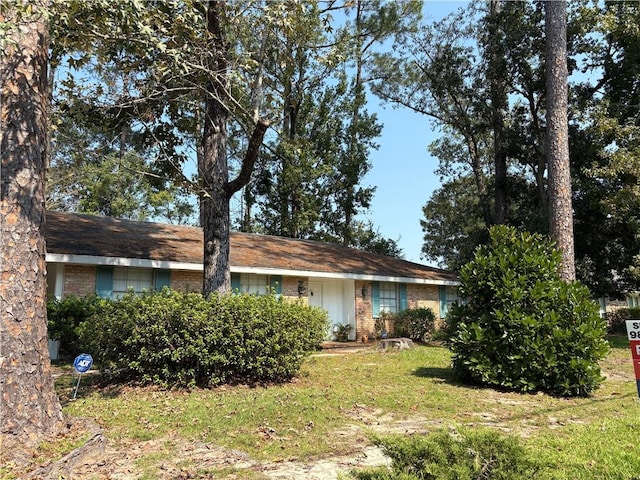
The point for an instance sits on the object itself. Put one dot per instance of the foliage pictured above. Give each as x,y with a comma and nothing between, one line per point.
382,324
185,340
462,455
414,323
66,315
342,331
616,320
522,328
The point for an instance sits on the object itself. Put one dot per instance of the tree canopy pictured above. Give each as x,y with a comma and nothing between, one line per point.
446,71
305,72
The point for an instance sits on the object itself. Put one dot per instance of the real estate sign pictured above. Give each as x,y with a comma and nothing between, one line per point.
633,332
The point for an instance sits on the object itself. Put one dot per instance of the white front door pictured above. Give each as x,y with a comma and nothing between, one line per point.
337,298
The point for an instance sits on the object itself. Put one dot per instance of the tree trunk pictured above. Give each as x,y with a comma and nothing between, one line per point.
29,407
213,169
560,210
497,70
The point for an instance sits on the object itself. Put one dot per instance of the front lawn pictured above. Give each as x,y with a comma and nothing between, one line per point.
337,403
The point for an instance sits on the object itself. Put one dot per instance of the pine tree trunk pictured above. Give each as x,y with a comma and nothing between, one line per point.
560,209
213,169
29,407
498,106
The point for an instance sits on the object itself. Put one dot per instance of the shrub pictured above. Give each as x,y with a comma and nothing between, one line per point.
341,332
523,328
616,321
466,455
414,323
65,316
185,340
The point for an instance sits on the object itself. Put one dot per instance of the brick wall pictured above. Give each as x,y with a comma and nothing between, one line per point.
186,281
365,324
79,280
424,296
290,288
418,296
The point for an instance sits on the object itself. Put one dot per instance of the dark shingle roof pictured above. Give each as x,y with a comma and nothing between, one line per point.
74,234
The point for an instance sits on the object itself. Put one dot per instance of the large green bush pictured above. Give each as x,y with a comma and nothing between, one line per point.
616,321
464,455
414,323
174,339
522,327
65,316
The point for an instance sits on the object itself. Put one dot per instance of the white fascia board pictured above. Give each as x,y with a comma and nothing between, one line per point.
197,267
121,262
342,276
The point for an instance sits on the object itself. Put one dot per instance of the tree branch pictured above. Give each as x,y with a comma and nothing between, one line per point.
249,159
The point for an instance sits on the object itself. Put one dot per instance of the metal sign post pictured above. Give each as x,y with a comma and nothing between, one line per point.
81,364
633,332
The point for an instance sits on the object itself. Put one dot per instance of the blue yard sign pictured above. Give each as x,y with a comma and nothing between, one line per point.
82,364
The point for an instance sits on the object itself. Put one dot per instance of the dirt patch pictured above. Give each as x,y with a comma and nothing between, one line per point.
101,460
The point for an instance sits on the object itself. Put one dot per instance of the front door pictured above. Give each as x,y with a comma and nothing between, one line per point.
337,298
315,299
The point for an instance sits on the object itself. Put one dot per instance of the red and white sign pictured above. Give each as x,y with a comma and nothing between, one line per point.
633,333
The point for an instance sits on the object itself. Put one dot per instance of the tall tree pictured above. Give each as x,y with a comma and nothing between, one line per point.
498,94
103,162
213,169
560,209
29,407
190,80
310,185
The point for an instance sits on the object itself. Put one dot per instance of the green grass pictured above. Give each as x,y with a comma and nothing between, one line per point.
581,438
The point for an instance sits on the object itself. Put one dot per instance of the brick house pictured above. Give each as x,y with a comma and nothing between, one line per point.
107,256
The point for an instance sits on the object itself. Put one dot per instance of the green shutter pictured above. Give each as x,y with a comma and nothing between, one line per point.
402,293
443,301
275,282
236,287
375,299
104,282
163,279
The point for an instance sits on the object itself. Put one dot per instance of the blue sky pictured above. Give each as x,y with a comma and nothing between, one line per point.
403,170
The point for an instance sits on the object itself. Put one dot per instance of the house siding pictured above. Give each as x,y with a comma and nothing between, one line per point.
425,296
290,288
418,296
365,324
186,281
79,280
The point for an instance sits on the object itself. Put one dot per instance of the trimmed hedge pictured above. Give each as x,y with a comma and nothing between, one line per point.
523,328
174,339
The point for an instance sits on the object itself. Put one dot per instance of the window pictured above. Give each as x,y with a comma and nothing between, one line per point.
254,284
388,297
448,296
115,282
633,301
137,279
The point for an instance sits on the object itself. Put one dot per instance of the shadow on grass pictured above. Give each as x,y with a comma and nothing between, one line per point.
618,341
104,386
445,375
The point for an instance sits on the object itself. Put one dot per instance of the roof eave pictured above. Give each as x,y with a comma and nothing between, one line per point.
197,267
